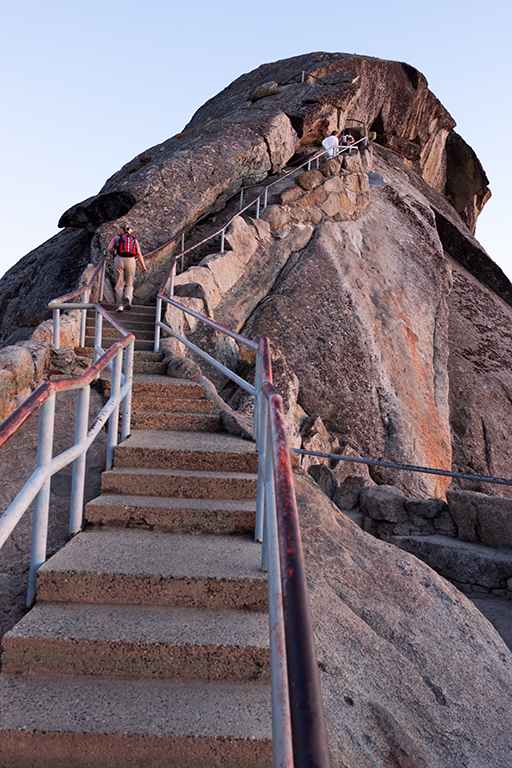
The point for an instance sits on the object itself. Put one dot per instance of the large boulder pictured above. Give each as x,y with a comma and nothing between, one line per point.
370,362
412,674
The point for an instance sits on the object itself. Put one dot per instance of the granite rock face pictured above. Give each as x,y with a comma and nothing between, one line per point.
348,270
236,137
412,674
369,361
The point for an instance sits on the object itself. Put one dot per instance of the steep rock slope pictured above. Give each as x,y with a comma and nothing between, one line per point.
413,676
349,272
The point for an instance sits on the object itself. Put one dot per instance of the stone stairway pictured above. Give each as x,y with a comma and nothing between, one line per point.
148,644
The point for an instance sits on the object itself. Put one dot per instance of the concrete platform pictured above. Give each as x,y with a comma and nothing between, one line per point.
82,722
168,514
149,641
180,483
140,567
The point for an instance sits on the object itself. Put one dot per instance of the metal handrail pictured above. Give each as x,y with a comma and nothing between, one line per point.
168,281
37,487
298,720
84,292
405,467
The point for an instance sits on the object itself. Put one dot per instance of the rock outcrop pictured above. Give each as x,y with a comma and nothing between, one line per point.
349,270
389,333
412,674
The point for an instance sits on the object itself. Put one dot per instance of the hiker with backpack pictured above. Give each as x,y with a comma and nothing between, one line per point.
125,248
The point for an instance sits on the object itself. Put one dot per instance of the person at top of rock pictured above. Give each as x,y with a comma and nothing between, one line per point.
347,140
331,143
126,250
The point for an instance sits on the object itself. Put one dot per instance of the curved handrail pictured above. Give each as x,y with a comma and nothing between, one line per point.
46,389
37,488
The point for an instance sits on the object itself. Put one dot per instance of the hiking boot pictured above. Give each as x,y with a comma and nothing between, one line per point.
120,308
127,304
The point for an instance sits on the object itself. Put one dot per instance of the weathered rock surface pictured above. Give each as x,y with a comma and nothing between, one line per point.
349,270
487,519
365,341
49,271
412,674
480,371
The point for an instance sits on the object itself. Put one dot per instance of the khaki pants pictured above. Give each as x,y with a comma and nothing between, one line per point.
124,272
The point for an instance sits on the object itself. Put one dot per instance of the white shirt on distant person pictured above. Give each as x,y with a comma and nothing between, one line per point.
330,142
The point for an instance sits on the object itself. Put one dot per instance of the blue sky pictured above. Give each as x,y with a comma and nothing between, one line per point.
87,86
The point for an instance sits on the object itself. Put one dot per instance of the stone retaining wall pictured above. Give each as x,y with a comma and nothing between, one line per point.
25,364
468,538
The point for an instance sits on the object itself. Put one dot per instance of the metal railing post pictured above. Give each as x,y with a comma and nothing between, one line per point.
127,401
113,422
56,328
222,241
262,466
101,286
265,198
282,745
156,347
78,480
98,335
171,280
241,203
83,318
42,500
258,208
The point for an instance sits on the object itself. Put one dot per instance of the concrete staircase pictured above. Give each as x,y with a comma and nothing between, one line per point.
148,645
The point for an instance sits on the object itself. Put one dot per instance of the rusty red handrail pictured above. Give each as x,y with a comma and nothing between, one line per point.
309,731
47,388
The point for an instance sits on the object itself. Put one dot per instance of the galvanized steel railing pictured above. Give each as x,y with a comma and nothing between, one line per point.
298,722
37,487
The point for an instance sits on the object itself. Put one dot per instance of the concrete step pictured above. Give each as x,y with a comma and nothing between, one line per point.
133,723
141,355
133,319
147,402
146,361
149,367
140,334
116,566
159,386
186,422
196,451
140,345
215,516
142,641
179,483
139,310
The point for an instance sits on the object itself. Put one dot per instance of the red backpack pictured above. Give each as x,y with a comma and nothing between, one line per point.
127,245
